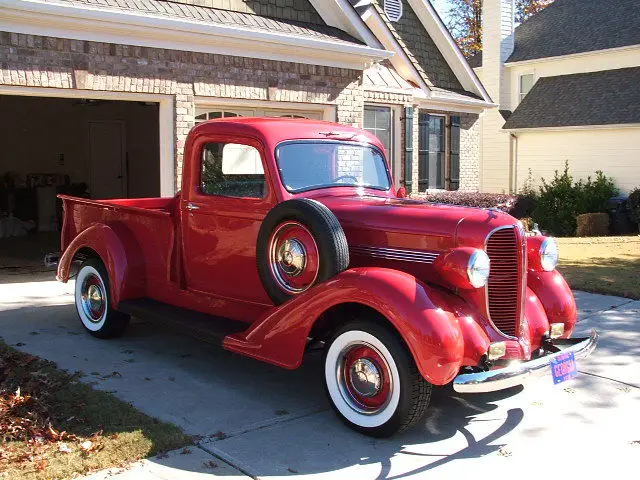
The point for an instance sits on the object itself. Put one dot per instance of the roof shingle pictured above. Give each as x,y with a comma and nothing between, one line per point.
609,97
575,26
220,17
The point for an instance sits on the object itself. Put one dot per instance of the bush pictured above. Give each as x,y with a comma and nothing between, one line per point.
592,225
633,203
518,206
560,201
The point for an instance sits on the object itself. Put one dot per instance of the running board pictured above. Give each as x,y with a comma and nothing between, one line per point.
204,327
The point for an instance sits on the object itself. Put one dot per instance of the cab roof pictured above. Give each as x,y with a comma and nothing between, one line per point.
272,130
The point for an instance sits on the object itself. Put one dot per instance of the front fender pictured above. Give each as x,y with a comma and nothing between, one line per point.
126,279
432,334
556,298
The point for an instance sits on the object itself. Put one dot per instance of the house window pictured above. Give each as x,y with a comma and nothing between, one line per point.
431,151
526,82
379,121
232,170
202,117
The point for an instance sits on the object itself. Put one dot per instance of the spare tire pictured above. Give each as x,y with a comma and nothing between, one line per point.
300,243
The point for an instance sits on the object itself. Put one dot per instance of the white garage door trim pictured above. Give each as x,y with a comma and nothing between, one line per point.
259,107
166,120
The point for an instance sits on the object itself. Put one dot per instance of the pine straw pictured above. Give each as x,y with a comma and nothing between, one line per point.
53,426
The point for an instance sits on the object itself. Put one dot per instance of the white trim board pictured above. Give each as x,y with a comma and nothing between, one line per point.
328,111
111,25
166,116
613,126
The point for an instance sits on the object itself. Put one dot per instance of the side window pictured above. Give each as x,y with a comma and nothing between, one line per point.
232,170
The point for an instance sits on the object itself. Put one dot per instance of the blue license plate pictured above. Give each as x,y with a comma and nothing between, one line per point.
563,368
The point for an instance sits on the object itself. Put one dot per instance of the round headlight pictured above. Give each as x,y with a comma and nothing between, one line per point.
478,268
549,254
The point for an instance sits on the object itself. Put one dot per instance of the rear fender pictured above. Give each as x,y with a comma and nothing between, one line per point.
432,334
117,250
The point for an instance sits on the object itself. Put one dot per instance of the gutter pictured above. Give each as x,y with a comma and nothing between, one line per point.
142,28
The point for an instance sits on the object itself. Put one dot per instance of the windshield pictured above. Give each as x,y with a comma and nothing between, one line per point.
308,165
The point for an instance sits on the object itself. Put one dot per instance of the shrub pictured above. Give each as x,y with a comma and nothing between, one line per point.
633,203
592,224
560,201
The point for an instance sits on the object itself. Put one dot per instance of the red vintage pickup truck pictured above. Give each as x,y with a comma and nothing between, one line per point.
288,235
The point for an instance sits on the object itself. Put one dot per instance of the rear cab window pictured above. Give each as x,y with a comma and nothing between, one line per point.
232,170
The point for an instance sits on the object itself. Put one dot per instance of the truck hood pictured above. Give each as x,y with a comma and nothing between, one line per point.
414,224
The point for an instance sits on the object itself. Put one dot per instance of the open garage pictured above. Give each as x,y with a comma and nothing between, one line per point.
87,147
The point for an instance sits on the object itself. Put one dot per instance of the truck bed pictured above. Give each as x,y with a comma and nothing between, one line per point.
149,224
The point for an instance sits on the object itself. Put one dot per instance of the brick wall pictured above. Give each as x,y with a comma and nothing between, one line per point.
470,152
36,61
298,10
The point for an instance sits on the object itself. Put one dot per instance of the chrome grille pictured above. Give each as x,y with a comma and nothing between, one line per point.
503,288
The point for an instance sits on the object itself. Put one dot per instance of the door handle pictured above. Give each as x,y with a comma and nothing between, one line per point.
191,207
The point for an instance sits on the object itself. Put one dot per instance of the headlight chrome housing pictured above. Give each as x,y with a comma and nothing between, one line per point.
548,254
478,268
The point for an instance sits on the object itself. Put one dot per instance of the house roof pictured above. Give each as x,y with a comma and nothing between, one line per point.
609,97
475,61
222,17
575,26
383,75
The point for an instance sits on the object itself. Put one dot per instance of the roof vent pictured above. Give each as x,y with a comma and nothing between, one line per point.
393,9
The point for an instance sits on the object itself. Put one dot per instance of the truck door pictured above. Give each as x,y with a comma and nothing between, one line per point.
222,213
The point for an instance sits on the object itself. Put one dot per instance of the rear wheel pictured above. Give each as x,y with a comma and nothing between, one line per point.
372,381
92,295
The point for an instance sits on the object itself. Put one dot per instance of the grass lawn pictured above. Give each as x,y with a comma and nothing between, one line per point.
52,426
608,265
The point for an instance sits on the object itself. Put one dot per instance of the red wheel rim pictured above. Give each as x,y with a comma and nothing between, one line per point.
366,378
294,259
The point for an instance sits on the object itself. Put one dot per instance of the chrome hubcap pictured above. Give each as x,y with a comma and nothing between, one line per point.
292,257
93,298
365,377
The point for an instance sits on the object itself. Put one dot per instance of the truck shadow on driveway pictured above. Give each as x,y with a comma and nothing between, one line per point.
229,401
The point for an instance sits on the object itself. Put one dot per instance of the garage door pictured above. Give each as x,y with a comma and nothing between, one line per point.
210,113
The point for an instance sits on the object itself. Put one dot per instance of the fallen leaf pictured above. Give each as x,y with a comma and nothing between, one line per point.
211,464
64,448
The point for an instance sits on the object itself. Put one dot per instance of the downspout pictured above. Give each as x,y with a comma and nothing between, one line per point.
514,154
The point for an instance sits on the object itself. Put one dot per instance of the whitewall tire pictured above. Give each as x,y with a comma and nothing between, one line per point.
92,298
372,381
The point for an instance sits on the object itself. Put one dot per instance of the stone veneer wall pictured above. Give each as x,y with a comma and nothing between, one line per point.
37,61
415,36
297,10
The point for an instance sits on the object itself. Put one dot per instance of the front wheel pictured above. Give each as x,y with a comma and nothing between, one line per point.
92,295
372,381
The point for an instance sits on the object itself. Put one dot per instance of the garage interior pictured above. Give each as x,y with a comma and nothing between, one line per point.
83,147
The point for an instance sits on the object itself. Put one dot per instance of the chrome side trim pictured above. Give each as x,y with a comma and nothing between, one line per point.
518,373
403,255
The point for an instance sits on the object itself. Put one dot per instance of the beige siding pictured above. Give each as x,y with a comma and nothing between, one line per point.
615,151
551,67
495,167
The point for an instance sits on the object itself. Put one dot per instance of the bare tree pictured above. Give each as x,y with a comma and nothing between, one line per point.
465,24
465,21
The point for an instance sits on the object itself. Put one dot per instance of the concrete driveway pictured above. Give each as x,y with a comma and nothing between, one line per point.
266,422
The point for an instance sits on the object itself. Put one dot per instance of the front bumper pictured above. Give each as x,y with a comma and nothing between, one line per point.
518,373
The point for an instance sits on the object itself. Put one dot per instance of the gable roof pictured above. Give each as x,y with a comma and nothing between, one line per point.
575,26
609,97
223,17
469,87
